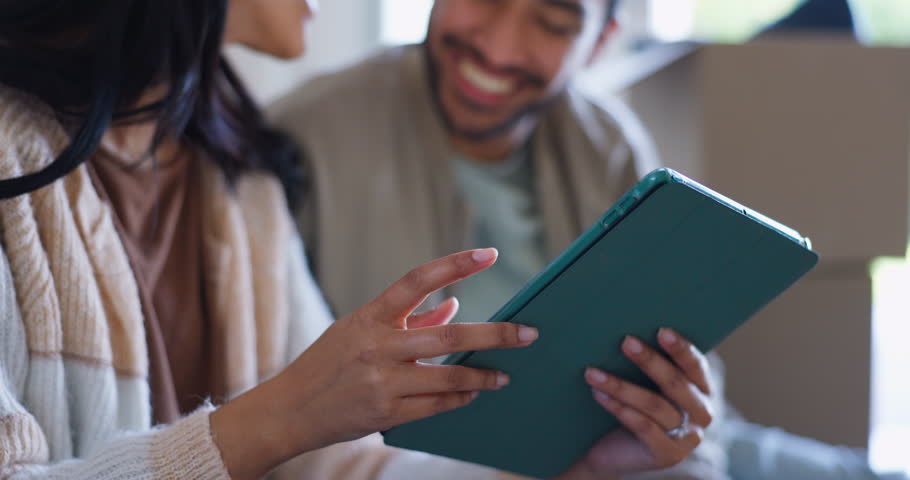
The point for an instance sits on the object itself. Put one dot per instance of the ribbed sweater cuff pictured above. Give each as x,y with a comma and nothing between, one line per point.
186,449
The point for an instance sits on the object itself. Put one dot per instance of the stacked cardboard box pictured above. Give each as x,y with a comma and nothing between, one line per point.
814,132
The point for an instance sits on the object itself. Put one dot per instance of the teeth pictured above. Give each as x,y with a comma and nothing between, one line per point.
483,81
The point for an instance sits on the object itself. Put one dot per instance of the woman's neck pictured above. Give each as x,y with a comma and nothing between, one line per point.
132,143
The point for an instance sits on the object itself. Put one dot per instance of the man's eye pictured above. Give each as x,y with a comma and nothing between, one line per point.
558,29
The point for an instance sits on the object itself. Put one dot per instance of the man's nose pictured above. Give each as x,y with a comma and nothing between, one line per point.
504,39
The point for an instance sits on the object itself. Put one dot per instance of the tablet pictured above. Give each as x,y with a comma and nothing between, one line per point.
670,253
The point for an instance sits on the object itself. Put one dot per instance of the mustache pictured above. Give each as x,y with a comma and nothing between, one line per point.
452,41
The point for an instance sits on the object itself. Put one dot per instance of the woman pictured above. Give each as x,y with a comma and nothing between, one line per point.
148,263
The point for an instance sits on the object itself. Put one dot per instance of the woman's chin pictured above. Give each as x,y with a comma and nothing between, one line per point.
285,51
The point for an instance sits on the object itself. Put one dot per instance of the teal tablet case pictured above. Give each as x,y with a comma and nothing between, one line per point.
670,253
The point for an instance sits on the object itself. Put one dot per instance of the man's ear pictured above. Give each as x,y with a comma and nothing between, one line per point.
605,35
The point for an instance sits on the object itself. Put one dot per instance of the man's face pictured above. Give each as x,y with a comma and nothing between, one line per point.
498,61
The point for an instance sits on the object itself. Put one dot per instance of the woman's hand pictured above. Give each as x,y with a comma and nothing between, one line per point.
661,430
362,375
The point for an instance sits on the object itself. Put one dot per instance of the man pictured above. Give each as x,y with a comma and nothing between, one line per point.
474,138
392,145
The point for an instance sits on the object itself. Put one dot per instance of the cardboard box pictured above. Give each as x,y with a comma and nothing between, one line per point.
803,362
813,132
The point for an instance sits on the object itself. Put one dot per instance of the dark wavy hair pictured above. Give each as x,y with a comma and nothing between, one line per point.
92,60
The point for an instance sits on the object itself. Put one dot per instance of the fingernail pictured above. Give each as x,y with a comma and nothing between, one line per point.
456,305
633,345
528,334
484,255
449,301
667,336
596,376
502,379
601,396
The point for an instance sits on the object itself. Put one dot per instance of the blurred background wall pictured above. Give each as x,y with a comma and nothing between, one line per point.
821,144
347,30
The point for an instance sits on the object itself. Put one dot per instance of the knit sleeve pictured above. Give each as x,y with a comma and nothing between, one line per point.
183,450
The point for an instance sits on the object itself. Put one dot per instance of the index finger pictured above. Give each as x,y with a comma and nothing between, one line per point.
403,296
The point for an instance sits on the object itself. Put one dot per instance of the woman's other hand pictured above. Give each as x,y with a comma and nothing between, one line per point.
659,429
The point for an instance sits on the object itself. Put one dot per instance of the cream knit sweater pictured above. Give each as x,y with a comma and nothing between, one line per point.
74,398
